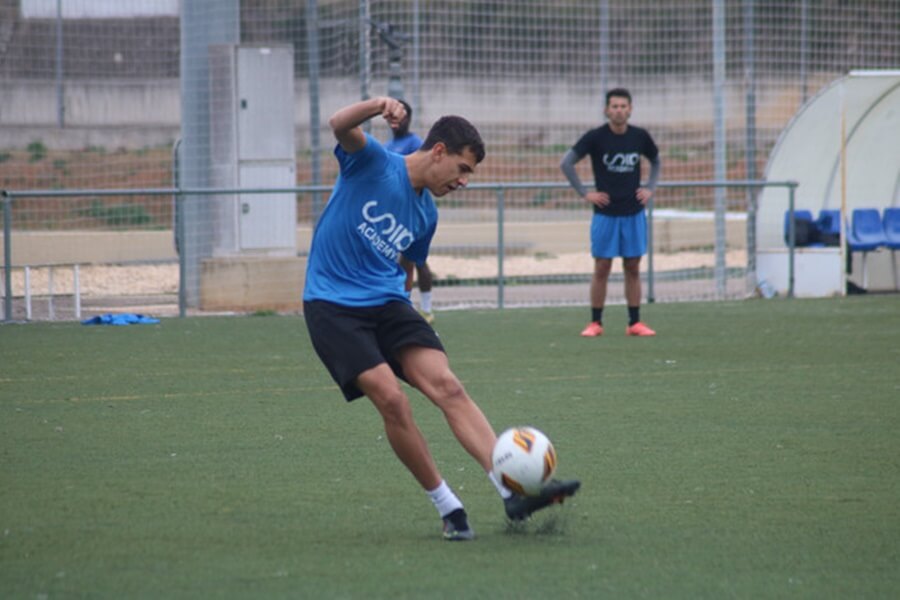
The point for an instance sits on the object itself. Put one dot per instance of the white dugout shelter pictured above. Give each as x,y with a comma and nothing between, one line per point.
843,149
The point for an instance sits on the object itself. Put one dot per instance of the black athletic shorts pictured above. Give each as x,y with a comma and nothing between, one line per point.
352,339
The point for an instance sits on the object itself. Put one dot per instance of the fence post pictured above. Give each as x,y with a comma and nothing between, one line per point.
651,298
26,272
76,289
7,256
792,240
501,245
51,309
315,142
182,260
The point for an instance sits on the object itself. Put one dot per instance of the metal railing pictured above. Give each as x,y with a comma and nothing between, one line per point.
500,188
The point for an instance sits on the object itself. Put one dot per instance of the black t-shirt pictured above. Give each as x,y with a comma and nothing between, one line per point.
616,160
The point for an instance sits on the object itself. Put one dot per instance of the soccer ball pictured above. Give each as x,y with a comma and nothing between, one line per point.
523,460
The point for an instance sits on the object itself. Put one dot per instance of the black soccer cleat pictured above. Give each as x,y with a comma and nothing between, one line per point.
456,527
519,508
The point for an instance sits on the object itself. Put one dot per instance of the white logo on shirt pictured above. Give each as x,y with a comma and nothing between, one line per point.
386,235
621,162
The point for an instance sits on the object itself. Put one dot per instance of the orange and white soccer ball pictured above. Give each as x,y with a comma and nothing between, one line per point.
524,460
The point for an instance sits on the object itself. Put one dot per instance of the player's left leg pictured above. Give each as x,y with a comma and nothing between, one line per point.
382,388
604,246
632,269
634,246
599,280
428,370
519,508
425,282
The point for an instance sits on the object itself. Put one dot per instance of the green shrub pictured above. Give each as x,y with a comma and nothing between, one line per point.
117,215
36,151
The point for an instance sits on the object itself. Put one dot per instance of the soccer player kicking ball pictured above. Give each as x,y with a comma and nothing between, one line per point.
360,320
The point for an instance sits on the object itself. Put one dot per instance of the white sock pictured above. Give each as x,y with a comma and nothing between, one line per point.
425,301
445,501
504,493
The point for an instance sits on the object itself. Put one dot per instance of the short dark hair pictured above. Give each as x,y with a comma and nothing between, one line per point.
407,107
457,134
618,93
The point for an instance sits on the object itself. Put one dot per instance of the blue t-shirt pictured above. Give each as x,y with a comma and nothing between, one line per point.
407,144
373,215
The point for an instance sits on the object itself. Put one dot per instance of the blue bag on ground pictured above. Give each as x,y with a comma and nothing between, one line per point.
121,319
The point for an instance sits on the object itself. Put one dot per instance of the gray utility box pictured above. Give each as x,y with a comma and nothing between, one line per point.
251,101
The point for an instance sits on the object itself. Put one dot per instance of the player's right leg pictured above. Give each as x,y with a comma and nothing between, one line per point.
599,279
603,248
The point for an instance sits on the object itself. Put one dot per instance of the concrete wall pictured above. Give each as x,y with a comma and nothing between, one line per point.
33,248
138,113
252,283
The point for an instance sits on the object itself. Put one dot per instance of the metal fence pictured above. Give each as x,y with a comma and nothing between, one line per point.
93,95
540,288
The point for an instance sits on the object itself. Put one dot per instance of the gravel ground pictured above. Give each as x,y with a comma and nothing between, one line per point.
129,280
153,288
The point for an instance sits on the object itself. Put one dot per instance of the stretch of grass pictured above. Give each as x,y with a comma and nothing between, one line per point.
750,450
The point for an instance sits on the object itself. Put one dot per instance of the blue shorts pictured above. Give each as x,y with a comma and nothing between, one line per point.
619,236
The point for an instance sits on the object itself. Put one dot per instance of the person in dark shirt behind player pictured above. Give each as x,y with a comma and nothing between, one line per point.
619,224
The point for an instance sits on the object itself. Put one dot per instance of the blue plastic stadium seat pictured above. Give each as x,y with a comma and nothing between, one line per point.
891,222
866,232
865,235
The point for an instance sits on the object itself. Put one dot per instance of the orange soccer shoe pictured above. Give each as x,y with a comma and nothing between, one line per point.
639,329
593,329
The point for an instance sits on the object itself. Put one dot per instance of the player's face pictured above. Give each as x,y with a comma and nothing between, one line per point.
450,171
402,127
618,111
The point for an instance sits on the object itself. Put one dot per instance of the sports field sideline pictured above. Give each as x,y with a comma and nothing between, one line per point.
750,450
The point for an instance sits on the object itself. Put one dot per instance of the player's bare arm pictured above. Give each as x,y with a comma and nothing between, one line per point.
346,122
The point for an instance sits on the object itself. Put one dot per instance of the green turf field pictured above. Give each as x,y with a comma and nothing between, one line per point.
751,450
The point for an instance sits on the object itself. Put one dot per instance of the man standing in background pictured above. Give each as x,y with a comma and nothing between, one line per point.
619,224
406,142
